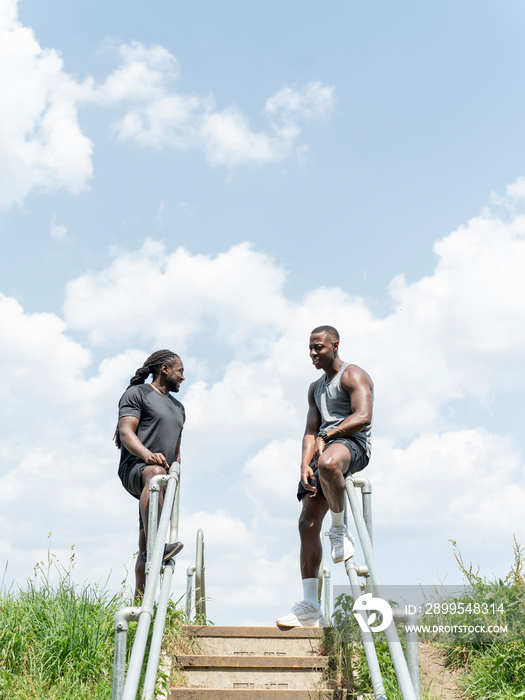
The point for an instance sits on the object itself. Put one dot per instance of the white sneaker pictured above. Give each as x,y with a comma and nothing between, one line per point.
302,615
342,543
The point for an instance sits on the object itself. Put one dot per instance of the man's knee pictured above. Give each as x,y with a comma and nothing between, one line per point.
140,566
309,525
330,465
150,471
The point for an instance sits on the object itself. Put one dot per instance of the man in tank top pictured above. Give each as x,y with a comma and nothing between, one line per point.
336,443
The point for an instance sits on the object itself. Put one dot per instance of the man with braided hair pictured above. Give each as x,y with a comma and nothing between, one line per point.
149,436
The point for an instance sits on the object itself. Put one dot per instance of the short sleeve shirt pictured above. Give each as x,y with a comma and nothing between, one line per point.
161,419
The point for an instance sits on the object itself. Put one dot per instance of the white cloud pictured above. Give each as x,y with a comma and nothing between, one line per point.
228,140
160,117
199,289
144,74
455,334
466,321
245,581
451,482
41,144
448,337
58,232
313,101
43,148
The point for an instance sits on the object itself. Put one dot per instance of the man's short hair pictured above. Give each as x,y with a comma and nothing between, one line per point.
329,330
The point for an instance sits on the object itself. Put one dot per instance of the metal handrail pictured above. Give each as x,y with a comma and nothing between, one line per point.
125,686
196,571
407,674
190,572
326,597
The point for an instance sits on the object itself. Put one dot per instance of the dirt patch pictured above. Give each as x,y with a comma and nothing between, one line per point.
438,680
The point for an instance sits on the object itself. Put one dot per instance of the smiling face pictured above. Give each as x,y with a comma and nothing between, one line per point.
174,374
323,350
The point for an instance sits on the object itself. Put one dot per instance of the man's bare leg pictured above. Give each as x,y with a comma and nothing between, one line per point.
314,508
147,475
307,613
172,549
140,567
332,464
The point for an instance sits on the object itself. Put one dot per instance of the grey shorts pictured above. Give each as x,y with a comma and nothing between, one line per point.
358,461
131,479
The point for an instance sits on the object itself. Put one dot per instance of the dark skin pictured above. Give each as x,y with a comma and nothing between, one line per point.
169,378
332,461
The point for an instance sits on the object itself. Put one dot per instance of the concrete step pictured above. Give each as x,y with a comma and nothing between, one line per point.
257,672
260,641
253,663
229,694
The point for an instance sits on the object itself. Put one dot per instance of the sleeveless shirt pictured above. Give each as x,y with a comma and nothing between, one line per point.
333,403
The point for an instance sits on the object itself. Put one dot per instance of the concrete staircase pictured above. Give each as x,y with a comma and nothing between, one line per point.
252,663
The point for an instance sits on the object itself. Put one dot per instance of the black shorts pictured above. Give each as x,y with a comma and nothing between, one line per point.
358,461
131,478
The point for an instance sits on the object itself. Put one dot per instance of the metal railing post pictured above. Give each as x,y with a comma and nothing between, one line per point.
190,571
326,598
413,654
158,631
174,527
146,611
368,643
153,514
320,580
200,592
410,622
366,494
120,625
392,637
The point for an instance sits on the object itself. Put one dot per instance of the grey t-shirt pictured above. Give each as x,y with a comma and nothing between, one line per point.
161,419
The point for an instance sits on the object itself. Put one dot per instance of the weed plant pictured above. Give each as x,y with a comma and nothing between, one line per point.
493,662
56,640
348,667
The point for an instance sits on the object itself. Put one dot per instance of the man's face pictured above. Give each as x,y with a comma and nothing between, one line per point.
174,375
323,349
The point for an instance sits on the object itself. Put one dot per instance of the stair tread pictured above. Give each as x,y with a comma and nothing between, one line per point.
249,661
255,694
263,632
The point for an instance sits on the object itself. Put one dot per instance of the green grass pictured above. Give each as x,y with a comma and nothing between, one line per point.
348,667
56,641
492,664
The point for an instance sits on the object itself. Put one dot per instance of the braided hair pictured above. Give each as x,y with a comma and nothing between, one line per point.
152,366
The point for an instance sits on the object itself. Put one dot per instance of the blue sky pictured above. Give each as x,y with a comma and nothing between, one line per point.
219,178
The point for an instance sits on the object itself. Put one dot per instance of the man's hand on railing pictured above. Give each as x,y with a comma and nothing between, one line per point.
157,458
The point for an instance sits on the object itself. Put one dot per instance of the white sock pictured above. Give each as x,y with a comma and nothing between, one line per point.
310,591
338,519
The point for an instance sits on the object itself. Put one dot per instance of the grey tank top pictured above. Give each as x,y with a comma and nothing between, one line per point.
333,403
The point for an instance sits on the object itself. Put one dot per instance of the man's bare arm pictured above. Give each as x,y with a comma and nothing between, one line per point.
313,421
128,426
177,451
